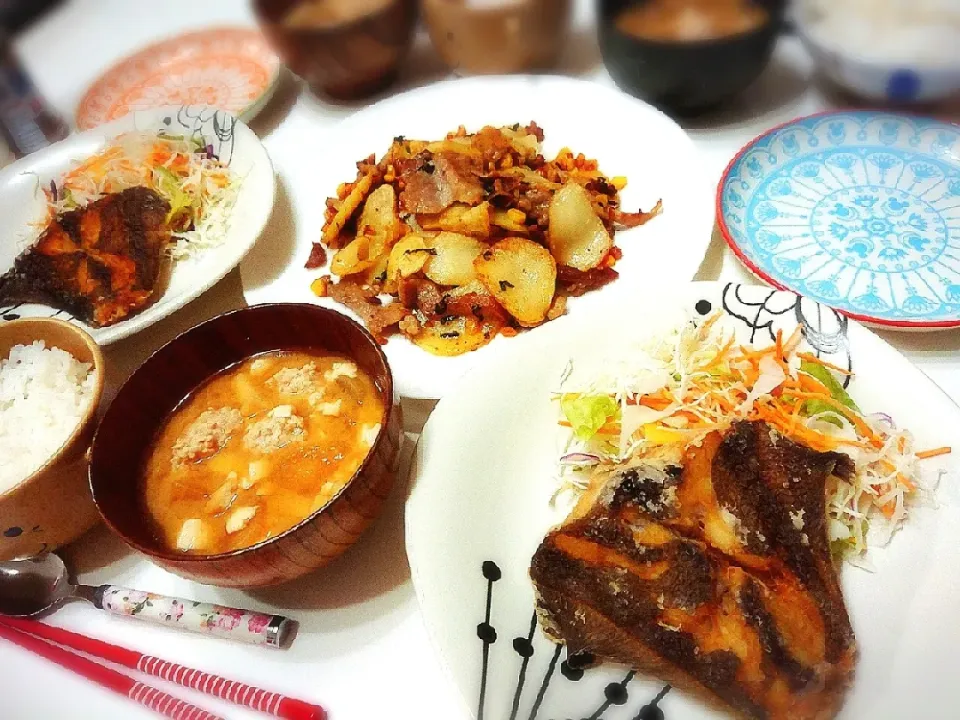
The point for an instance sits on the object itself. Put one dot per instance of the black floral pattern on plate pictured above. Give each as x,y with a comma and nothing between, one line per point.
572,669
761,310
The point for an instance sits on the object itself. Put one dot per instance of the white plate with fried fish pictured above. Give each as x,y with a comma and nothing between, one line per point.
486,493
126,223
628,139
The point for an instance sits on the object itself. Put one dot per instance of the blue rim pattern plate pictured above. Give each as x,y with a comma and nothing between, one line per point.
859,210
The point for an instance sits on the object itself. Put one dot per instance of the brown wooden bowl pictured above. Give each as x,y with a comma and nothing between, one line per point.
346,61
175,370
53,506
515,37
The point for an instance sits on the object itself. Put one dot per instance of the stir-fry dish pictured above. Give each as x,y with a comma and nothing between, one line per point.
699,380
471,236
115,218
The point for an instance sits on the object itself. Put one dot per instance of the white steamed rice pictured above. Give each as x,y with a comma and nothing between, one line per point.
923,33
44,394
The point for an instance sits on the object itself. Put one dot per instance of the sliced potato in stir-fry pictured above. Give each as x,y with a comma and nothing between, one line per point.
576,236
451,336
452,260
511,220
348,206
522,276
377,229
460,218
407,257
353,258
376,274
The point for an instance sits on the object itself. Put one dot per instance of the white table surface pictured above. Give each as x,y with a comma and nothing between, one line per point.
362,650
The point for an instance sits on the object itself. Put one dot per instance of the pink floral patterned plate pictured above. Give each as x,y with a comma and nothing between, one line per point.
231,69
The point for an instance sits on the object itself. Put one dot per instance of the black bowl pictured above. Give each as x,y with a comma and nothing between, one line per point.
686,76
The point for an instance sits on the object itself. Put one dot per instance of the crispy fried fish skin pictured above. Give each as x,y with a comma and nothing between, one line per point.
101,263
716,577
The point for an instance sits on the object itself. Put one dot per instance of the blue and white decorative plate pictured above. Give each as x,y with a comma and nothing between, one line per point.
859,210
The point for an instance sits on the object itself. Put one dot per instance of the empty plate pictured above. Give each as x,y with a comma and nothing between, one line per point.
859,210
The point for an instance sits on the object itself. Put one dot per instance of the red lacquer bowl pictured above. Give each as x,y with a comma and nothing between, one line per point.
170,374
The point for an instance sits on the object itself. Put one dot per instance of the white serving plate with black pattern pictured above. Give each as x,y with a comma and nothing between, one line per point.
23,206
485,471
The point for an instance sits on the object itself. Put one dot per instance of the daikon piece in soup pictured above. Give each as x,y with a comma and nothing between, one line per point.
259,448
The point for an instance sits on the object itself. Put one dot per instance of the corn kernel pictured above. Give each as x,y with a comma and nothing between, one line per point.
516,216
321,286
619,182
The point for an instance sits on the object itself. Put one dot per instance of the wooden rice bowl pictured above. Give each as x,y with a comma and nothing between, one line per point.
52,506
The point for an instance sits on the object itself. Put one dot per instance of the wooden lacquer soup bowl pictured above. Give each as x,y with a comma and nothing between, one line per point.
130,424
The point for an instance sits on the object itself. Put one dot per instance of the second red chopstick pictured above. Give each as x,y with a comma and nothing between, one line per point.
156,700
236,692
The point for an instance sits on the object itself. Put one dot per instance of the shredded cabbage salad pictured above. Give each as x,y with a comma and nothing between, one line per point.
697,380
200,188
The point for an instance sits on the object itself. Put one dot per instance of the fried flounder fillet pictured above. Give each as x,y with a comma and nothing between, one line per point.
100,263
717,577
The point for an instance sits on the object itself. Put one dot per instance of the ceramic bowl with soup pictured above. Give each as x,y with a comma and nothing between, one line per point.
261,444
343,49
497,36
688,55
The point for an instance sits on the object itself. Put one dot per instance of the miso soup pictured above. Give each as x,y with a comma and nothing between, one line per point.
258,448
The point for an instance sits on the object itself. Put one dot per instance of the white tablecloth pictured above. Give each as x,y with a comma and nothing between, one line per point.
362,651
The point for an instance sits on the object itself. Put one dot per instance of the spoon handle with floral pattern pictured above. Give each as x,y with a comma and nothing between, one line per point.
244,626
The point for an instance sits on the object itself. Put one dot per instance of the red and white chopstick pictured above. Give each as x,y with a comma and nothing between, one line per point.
236,692
157,700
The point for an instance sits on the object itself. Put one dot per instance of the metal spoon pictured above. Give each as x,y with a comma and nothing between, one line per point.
30,587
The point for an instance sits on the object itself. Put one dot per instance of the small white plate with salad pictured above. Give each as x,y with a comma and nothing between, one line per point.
210,168
646,382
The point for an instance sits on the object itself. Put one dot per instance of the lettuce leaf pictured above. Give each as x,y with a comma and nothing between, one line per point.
588,413
819,372
171,187
837,392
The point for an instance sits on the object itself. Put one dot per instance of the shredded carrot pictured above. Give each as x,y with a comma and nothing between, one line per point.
936,452
793,341
906,482
852,416
605,430
708,323
655,403
728,346
820,361
811,384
